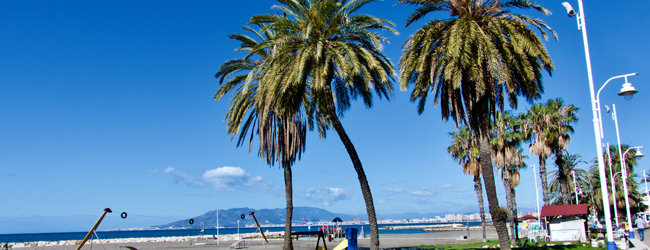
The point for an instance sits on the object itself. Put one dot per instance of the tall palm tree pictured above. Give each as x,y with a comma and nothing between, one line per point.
550,127
511,179
507,155
464,149
281,137
470,62
562,186
326,48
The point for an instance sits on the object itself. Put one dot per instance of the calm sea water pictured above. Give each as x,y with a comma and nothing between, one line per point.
193,232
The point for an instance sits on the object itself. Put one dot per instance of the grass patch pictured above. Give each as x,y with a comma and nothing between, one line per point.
541,245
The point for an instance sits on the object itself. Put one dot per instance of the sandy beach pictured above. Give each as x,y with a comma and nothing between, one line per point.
387,241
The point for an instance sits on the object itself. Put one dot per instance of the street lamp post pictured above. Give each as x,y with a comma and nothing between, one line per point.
613,179
539,217
623,167
575,187
595,107
624,175
646,183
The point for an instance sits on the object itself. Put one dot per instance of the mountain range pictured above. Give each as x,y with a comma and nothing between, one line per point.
229,217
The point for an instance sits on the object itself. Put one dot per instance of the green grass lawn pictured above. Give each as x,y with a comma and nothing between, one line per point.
530,246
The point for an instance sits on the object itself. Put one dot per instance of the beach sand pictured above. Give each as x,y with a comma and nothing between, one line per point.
386,241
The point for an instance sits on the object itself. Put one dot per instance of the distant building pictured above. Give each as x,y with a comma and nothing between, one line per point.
450,217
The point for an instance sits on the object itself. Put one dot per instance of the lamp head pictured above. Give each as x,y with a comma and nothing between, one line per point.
628,91
569,9
638,153
607,108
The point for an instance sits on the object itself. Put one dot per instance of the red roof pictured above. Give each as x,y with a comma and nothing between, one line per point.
565,210
527,217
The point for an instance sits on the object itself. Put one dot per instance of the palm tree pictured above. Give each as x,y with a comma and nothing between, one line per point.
281,138
469,62
562,185
324,47
464,149
634,195
507,154
511,179
550,126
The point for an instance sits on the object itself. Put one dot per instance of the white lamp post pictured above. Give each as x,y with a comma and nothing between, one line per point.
595,109
624,171
613,179
646,184
575,186
623,166
539,217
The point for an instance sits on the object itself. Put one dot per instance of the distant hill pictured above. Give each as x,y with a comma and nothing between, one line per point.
229,217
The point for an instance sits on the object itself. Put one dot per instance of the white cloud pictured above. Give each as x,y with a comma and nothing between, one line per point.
230,178
425,196
418,193
180,178
326,195
396,190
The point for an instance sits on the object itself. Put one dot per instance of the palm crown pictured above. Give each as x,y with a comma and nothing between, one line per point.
479,55
322,45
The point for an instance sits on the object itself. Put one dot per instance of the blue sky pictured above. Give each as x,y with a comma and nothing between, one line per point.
110,104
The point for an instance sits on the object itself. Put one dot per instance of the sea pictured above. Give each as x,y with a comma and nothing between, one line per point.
208,232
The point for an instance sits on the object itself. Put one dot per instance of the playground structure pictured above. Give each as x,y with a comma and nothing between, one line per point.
240,243
94,228
259,228
350,241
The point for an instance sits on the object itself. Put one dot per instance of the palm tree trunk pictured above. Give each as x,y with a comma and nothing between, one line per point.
542,175
507,183
356,162
498,216
288,191
515,220
479,194
566,194
563,178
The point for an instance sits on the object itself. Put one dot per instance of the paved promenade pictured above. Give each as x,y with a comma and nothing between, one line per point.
387,241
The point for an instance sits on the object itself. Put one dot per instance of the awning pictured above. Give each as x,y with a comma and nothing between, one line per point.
558,210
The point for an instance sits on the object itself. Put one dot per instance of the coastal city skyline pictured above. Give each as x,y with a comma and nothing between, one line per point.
111,105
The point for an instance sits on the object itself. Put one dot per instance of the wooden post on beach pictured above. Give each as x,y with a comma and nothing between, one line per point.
90,233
